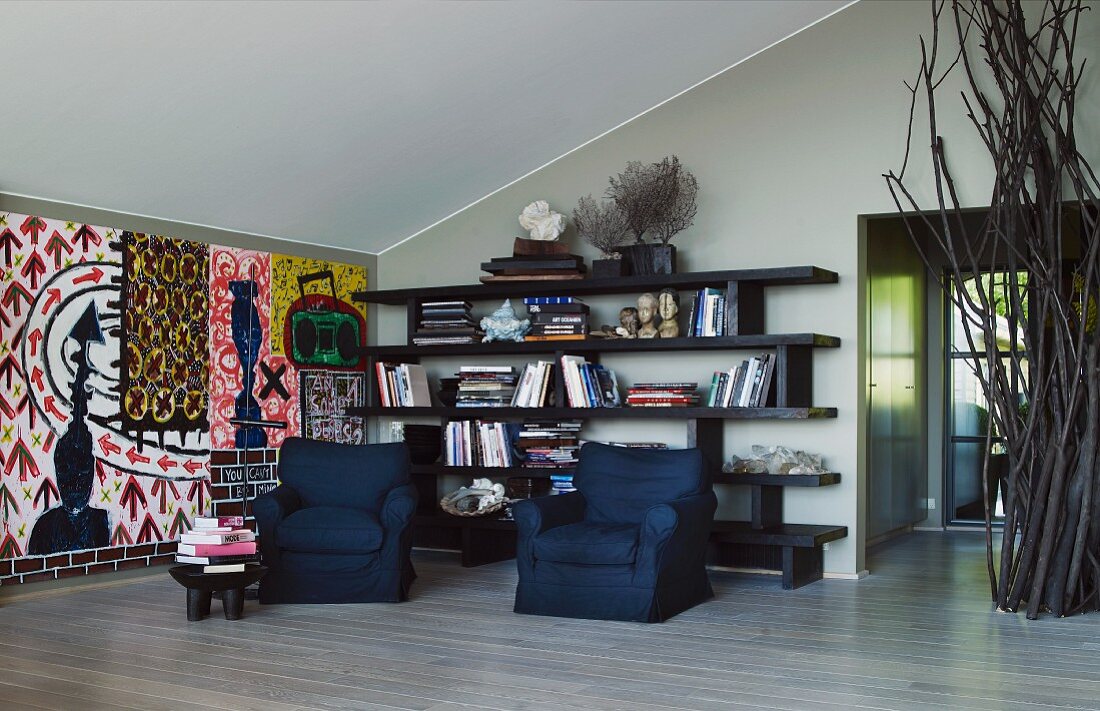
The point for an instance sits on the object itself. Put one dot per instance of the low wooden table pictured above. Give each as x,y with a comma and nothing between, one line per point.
201,586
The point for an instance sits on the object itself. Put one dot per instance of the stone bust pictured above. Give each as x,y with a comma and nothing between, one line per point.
668,306
647,313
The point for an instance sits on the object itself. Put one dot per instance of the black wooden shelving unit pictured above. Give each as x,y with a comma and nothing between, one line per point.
765,541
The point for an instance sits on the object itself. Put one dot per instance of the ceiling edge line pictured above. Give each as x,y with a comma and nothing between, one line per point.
637,116
186,223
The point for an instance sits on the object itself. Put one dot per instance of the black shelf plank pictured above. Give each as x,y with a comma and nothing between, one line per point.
609,345
805,480
798,535
617,285
581,413
446,520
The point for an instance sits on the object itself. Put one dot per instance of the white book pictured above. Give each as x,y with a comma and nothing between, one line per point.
746,389
418,392
486,369
218,538
519,397
225,568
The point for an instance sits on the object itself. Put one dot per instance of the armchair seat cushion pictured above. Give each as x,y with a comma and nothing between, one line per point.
589,543
330,529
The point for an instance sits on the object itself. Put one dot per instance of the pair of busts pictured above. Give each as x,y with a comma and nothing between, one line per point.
654,317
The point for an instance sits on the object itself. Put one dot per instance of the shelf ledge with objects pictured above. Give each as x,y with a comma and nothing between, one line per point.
764,542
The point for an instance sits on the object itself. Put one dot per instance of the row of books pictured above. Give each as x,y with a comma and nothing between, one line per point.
708,314
663,395
402,385
536,387
544,444
565,320
747,385
446,323
588,384
486,386
219,544
478,443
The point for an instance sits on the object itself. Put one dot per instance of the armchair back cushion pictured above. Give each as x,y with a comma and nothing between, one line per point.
620,483
345,475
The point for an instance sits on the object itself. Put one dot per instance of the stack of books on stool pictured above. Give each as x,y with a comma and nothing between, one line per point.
218,545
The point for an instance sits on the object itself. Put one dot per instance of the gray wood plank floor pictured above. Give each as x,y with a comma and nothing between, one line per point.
919,633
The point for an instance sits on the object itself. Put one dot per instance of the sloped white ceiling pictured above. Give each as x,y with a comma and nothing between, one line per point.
350,125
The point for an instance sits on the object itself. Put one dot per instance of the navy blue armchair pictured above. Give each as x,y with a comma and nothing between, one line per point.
337,528
629,544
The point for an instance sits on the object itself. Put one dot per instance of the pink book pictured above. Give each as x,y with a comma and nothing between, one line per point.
207,549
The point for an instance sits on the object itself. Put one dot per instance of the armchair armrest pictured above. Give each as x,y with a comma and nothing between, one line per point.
674,536
396,519
269,509
533,516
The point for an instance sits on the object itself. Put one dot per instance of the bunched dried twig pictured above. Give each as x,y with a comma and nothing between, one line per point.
1042,376
646,194
681,214
602,225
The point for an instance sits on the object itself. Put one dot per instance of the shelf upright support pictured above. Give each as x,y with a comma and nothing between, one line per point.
560,400
744,308
412,319
794,376
705,434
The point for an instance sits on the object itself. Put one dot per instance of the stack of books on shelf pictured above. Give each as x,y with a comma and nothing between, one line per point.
588,384
485,386
708,314
530,267
747,385
402,385
663,395
219,544
549,444
557,318
478,443
552,445
446,323
536,385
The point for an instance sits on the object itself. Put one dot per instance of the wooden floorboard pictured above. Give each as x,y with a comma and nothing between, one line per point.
919,634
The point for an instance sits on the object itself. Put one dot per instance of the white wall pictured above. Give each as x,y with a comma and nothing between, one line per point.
789,149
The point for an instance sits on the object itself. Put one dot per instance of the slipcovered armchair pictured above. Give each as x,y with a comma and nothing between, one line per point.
337,528
629,544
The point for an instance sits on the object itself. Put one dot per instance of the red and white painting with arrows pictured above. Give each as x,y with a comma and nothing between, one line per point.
70,477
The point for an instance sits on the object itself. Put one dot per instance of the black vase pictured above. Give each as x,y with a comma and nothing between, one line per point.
649,259
609,268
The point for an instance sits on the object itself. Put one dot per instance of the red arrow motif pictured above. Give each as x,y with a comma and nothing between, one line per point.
121,535
160,489
101,472
36,377
180,524
9,241
9,412
15,295
135,457
33,338
49,406
9,548
9,367
53,298
21,456
132,496
165,463
198,490
85,235
57,248
47,490
148,530
108,446
33,268
95,275
32,226
192,466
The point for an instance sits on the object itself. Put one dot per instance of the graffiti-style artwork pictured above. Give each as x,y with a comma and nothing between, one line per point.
71,476
324,397
240,350
311,299
123,357
164,334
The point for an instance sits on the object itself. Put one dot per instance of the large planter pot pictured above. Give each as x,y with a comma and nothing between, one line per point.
647,259
610,268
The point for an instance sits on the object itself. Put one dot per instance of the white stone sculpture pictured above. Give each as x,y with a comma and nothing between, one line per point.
542,222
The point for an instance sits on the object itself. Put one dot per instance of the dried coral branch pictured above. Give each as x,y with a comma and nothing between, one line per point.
602,225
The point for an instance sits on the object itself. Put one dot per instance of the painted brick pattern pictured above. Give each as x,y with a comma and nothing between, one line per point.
227,479
78,563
